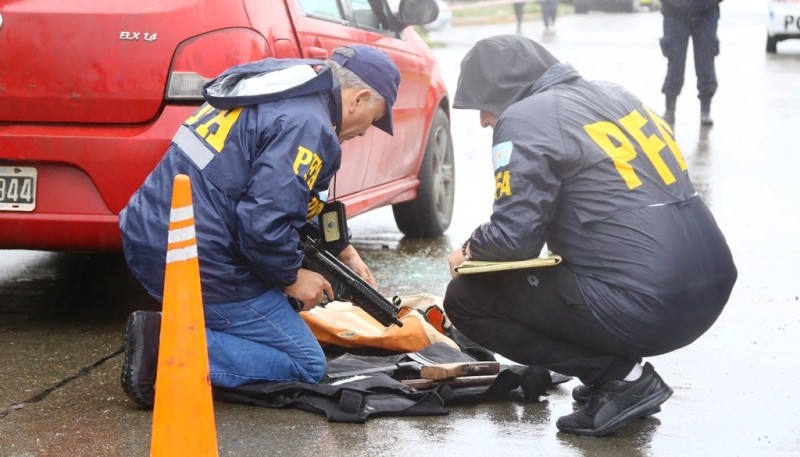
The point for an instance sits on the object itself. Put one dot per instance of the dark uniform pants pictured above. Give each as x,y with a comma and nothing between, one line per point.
705,45
538,317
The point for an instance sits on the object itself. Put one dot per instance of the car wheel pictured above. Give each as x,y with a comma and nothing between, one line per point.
430,213
772,44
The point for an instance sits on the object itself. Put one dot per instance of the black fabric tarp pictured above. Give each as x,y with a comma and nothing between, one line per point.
355,399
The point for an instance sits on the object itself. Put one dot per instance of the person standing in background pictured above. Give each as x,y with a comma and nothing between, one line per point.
519,11
696,19
549,8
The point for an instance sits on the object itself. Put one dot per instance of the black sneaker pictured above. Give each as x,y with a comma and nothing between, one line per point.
705,119
138,377
582,392
616,404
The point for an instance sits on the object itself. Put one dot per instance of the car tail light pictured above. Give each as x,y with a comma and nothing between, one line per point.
202,58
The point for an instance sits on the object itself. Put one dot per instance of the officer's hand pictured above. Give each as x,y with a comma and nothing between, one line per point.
310,289
349,256
456,257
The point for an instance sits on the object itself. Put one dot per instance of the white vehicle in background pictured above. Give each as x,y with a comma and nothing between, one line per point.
783,22
443,21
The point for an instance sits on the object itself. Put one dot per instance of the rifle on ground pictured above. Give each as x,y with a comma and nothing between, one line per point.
460,381
437,372
388,369
444,371
348,286
456,374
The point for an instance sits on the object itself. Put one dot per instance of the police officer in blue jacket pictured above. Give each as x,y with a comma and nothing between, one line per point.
587,170
260,153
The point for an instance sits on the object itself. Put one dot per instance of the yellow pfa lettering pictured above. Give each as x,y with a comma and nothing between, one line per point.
651,145
666,133
216,129
621,151
302,158
502,184
314,208
205,109
313,171
309,163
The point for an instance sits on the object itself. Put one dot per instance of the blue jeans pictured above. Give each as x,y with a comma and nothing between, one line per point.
261,339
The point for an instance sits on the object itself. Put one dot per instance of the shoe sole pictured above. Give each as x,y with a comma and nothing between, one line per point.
644,408
133,358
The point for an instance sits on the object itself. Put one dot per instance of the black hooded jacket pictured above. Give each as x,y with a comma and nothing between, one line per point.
588,169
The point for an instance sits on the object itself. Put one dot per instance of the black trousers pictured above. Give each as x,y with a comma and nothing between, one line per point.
549,11
538,317
705,46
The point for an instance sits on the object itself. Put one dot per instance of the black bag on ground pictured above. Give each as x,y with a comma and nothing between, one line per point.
356,398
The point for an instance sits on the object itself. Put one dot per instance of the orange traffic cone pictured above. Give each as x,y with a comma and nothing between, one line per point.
183,415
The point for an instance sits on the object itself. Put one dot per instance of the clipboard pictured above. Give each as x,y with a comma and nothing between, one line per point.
482,266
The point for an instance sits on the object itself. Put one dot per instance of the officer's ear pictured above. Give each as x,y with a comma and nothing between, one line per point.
351,98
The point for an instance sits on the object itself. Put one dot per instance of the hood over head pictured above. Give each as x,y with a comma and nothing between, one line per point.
500,71
267,80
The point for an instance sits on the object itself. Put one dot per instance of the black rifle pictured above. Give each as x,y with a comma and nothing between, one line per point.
348,286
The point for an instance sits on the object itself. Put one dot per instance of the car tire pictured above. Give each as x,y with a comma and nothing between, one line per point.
430,213
772,44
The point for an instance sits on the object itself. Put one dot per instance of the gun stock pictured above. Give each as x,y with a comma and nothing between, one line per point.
443,371
348,286
460,381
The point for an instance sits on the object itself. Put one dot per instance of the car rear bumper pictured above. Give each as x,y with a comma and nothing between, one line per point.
86,175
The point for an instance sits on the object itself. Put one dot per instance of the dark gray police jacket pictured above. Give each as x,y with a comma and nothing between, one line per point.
589,169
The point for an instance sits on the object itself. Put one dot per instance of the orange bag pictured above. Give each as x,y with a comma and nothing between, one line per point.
345,325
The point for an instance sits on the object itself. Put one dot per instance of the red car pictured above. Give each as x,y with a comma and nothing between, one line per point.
92,91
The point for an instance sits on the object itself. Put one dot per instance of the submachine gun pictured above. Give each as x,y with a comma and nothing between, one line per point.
347,285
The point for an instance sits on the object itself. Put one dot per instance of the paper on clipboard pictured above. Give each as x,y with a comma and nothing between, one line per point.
480,266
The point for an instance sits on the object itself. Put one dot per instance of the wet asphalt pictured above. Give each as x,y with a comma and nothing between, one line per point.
62,315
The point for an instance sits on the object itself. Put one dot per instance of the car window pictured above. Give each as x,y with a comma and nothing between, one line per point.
364,16
324,9
372,15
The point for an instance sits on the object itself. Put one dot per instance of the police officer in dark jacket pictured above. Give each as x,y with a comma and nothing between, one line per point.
684,19
588,171
261,154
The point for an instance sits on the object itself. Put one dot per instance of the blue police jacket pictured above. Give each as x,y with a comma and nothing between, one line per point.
260,154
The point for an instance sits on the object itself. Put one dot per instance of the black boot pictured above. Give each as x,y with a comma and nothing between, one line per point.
669,112
142,338
705,112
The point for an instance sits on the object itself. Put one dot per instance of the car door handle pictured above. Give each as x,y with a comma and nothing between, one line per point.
315,52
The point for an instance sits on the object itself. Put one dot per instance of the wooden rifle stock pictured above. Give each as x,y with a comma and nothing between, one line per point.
443,371
460,381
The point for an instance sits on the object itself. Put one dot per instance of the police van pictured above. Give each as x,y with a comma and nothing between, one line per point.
783,22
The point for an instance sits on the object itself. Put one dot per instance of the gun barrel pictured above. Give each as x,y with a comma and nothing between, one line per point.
349,286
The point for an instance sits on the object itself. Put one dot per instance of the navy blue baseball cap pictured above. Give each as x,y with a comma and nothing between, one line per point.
377,69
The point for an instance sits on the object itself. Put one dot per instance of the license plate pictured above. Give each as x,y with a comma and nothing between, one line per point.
17,188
